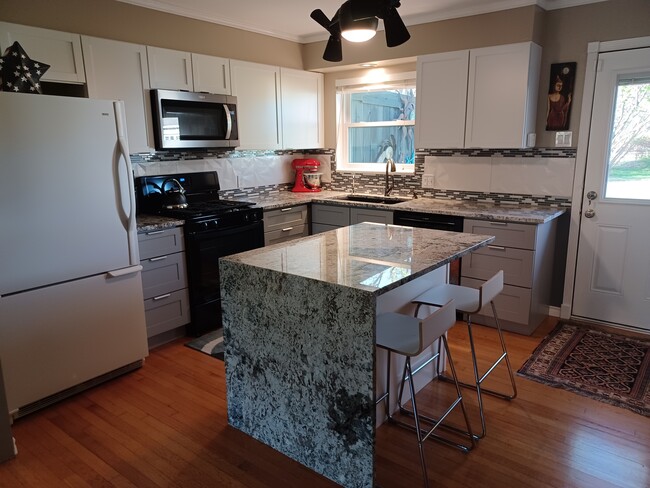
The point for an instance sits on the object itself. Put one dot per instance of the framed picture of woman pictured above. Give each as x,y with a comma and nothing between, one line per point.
560,92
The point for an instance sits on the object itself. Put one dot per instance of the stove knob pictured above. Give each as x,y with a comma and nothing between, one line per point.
205,225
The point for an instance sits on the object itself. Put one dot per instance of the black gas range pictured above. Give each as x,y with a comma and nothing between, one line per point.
213,228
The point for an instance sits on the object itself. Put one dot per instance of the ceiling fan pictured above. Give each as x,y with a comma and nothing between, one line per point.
356,21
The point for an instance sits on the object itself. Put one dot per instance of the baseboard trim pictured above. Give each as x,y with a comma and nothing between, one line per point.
553,311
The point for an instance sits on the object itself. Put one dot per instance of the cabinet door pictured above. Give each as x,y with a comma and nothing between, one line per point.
61,50
358,215
441,100
169,69
118,70
211,74
302,109
502,95
257,88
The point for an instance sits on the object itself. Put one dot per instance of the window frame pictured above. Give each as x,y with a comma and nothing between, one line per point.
372,81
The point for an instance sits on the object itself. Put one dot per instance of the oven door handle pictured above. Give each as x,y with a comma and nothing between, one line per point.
228,120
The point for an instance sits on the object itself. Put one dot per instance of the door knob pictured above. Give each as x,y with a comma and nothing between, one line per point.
591,195
590,213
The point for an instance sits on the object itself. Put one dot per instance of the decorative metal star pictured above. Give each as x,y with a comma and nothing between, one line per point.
18,72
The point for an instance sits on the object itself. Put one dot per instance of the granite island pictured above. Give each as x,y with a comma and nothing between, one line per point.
299,333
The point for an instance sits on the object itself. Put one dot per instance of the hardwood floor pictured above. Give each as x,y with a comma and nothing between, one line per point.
165,425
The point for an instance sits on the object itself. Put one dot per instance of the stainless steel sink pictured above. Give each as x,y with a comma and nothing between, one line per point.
373,199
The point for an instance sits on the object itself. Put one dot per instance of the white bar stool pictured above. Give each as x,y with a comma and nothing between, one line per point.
470,301
409,336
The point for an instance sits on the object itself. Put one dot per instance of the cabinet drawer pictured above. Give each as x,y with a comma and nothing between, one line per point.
512,304
282,218
160,242
517,265
358,215
163,274
167,312
285,234
330,215
507,234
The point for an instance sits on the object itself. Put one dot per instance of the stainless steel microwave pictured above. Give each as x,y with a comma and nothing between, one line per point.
188,120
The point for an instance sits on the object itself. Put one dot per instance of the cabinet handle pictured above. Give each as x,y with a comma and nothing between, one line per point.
287,229
159,258
497,248
499,223
166,295
153,232
286,209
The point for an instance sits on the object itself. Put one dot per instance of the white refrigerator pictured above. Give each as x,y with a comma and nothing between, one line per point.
71,304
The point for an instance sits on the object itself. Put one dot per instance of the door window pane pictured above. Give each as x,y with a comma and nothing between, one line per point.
628,168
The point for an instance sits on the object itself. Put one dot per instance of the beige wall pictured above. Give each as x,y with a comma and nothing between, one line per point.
116,20
563,34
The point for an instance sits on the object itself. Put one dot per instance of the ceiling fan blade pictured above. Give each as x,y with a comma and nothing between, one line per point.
333,50
396,31
321,18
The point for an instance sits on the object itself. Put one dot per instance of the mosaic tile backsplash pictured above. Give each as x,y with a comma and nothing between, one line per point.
404,185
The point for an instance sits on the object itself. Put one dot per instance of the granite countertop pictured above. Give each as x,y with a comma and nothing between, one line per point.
462,208
366,256
152,223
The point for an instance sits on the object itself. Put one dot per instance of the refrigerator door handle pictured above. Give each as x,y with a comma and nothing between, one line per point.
124,271
120,121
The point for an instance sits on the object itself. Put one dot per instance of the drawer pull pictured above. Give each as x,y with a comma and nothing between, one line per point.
154,232
497,248
288,209
287,229
161,297
159,258
499,223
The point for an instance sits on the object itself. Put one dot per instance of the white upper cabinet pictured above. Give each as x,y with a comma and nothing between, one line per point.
502,95
211,74
302,109
257,88
61,50
179,70
118,70
481,98
169,69
441,100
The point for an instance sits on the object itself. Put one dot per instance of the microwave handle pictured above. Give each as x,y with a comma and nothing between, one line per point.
228,120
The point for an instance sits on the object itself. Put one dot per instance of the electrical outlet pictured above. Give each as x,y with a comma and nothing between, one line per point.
427,181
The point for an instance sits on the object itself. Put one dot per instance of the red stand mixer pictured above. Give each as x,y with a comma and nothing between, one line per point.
307,178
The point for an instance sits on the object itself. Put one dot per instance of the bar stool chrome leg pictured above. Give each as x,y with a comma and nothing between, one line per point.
409,336
469,302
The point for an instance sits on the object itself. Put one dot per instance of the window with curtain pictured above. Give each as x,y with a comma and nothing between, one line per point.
376,123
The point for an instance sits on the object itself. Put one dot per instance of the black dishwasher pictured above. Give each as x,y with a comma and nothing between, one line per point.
451,223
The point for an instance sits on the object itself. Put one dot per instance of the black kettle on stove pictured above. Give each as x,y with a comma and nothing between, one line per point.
174,196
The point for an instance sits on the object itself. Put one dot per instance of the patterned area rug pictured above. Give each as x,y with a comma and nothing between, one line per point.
210,343
608,367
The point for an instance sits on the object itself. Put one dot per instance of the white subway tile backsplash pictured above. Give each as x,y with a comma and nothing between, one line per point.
533,176
460,173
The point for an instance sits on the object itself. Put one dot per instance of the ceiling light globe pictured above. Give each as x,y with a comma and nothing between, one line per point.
358,35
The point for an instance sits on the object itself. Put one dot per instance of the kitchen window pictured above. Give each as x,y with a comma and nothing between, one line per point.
376,121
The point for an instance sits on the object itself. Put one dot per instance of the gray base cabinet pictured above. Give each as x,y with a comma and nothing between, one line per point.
326,217
164,284
285,224
525,254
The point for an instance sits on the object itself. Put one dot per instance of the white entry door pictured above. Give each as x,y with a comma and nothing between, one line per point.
612,281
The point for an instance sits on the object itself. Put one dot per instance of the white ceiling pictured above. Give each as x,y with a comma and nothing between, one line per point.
289,19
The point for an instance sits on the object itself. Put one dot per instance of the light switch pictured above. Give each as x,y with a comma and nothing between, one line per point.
563,139
427,181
